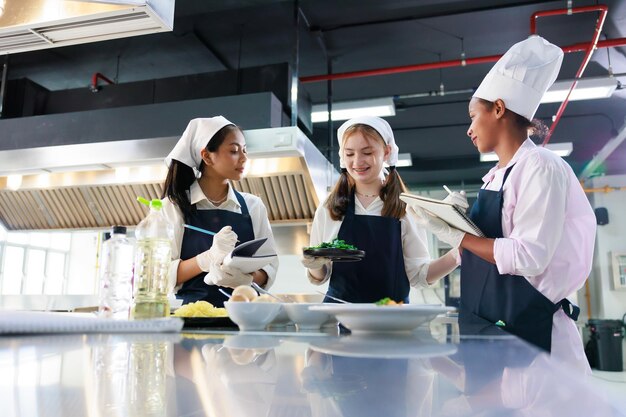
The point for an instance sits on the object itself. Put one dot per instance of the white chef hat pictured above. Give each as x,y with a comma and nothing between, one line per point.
380,125
522,76
195,138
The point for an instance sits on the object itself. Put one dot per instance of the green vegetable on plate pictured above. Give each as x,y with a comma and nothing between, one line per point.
334,244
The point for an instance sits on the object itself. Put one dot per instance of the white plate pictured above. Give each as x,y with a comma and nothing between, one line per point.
408,345
371,318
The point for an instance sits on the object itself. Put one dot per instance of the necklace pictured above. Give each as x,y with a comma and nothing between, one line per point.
220,201
366,195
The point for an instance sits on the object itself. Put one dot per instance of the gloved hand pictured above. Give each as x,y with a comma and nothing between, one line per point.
438,227
227,276
458,199
314,262
223,243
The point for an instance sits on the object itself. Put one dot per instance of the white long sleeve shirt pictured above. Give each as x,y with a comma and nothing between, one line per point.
414,241
258,215
549,232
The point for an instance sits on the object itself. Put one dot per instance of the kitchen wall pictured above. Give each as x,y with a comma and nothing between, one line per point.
606,301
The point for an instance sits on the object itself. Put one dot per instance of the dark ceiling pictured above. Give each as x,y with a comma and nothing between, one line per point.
368,34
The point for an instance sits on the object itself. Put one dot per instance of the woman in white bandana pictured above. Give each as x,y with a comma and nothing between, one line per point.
211,153
365,210
539,225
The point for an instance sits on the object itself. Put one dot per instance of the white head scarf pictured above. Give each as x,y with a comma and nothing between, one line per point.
383,129
522,76
195,138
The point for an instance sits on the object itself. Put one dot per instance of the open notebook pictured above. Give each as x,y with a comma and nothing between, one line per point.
38,322
447,212
245,258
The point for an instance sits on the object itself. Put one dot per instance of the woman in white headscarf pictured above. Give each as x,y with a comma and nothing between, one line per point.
211,153
364,209
539,225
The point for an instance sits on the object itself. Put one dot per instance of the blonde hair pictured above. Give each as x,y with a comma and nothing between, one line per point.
339,197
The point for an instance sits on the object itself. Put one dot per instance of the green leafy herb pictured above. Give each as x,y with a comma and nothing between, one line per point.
334,244
383,302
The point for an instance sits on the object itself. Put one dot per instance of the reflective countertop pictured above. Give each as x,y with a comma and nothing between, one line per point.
434,371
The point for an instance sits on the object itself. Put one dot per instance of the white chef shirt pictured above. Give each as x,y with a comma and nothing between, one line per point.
549,233
258,215
414,241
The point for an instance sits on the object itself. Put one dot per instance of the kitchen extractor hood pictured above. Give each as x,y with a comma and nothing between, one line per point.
46,188
27,25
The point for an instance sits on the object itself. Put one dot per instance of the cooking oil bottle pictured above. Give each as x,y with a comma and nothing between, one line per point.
153,252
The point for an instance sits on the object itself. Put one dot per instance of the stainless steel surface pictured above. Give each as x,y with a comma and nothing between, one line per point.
28,25
264,291
334,298
286,171
289,374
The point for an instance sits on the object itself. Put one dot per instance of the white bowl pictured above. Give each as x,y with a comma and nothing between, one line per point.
281,319
304,318
251,316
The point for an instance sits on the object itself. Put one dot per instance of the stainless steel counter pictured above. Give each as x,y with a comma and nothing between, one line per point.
219,373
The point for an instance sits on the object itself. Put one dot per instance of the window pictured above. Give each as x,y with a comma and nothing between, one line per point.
34,262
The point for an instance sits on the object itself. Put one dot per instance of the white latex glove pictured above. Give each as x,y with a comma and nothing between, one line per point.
224,242
227,276
314,262
438,227
458,199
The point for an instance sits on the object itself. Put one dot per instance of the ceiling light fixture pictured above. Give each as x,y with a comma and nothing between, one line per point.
586,89
561,149
404,160
348,109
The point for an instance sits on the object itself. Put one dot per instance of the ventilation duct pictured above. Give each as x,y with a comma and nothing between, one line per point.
43,188
27,25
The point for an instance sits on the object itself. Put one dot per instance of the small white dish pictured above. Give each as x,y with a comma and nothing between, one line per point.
251,316
281,319
304,318
372,318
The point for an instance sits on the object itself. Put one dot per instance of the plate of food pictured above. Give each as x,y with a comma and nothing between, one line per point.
203,314
337,250
384,316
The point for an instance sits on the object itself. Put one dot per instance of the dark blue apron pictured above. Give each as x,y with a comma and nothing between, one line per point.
381,273
509,300
195,242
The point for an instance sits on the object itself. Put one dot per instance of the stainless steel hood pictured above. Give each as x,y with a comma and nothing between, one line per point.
27,25
45,188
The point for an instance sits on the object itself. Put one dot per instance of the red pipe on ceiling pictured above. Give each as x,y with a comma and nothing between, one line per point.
590,47
577,47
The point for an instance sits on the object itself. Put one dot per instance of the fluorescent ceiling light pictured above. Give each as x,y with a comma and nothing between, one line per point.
348,109
561,149
404,160
586,89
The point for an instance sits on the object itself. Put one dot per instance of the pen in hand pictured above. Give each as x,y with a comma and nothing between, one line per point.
445,187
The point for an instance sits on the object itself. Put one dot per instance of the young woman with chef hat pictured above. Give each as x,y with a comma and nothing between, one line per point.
539,225
364,210
211,153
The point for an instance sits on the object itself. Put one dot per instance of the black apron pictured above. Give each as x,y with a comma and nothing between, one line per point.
195,242
381,273
509,301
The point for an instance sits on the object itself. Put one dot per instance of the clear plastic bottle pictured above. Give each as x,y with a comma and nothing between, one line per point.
116,275
152,260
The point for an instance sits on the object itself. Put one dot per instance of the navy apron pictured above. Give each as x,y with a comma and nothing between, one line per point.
381,273
195,242
509,301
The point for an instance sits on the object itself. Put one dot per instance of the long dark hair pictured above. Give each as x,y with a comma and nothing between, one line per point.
180,176
339,197
533,127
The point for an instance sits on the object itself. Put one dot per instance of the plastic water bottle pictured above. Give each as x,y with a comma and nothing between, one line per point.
152,261
116,275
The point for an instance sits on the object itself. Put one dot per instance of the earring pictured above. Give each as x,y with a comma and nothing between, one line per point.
197,173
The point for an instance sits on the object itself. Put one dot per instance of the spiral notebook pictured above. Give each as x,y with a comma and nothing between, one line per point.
38,322
447,212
